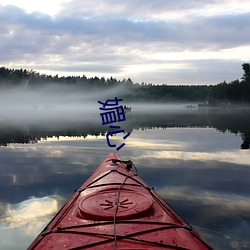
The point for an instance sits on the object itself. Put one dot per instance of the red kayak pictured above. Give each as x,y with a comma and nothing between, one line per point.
116,209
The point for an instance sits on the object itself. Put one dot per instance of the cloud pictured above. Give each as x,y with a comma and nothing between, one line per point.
145,10
115,38
115,30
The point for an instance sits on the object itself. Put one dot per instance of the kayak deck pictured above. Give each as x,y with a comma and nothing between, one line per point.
116,209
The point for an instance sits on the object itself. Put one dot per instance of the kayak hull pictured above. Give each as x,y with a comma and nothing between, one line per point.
116,209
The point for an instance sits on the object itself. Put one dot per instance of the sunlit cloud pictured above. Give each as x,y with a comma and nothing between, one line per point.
224,54
45,6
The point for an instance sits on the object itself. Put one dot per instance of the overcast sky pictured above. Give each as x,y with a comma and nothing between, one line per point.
154,41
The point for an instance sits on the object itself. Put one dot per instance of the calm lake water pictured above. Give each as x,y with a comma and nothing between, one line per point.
197,160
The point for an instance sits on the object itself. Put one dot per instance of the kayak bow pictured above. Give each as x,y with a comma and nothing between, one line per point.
116,209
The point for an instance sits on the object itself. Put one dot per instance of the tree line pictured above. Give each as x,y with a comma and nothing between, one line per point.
236,91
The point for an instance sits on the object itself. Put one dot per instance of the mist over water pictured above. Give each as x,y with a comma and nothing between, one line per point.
60,108
55,102
61,102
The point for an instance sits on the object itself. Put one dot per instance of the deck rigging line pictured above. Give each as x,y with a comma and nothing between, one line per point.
115,237
130,174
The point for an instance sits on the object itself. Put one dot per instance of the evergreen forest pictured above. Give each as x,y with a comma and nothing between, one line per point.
224,93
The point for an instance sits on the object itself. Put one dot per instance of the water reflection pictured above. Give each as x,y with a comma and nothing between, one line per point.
29,210
192,160
23,131
21,221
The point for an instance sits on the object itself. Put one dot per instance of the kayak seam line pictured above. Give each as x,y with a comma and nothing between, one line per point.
110,184
62,230
128,237
120,222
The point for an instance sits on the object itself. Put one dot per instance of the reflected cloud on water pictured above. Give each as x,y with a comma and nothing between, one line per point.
237,157
20,223
29,210
200,171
